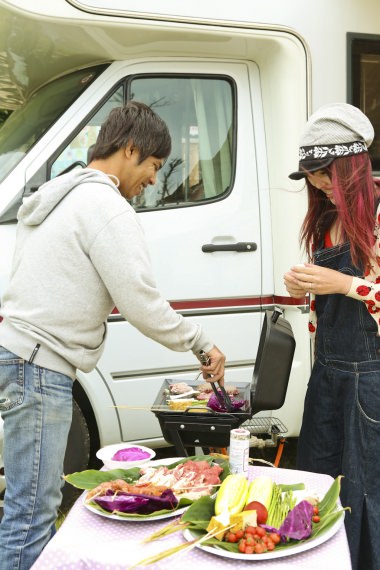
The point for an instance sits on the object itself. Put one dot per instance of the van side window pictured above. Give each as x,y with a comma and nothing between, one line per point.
79,148
364,87
199,112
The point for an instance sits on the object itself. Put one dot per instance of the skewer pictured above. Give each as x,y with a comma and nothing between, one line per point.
165,407
123,407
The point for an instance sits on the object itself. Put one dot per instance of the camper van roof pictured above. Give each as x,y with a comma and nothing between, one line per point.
49,39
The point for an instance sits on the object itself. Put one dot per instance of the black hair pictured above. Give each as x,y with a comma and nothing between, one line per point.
135,124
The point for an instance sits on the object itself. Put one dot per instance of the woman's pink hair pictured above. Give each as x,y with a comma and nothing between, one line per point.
355,193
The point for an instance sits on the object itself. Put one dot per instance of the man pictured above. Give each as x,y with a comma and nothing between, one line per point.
80,251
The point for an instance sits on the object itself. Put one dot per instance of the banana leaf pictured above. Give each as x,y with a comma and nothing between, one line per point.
200,513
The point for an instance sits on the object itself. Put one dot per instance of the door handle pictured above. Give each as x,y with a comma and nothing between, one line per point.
241,246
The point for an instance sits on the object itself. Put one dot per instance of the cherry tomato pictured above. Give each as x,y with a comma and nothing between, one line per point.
270,545
316,518
259,542
259,548
275,538
260,531
315,510
239,534
231,537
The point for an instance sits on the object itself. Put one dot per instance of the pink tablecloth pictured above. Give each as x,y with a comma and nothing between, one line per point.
89,541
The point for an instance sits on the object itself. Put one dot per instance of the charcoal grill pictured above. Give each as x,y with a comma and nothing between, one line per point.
205,428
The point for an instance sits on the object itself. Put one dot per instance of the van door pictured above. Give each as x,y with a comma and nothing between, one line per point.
202,223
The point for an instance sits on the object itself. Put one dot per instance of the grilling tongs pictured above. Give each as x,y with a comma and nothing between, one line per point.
221,394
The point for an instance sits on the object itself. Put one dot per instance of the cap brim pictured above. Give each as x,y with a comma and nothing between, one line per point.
310,166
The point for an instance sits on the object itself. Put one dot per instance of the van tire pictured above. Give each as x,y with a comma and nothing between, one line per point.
82,444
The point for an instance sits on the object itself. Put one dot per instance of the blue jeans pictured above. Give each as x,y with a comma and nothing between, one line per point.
36,406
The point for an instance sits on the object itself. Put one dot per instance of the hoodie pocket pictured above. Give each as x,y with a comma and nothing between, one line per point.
90,356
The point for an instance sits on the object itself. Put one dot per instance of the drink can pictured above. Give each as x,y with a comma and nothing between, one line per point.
239,451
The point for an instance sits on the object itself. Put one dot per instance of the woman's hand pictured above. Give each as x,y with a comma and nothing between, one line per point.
293,288
317,280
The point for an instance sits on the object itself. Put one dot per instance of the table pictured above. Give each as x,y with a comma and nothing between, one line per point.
89,541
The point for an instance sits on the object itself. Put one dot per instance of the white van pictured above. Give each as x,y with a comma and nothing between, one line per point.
235,83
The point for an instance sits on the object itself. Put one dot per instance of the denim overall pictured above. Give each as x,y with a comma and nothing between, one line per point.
340,433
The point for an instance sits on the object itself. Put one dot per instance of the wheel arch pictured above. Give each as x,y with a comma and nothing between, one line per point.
95,400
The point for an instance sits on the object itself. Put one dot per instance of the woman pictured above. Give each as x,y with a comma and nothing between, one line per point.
340,431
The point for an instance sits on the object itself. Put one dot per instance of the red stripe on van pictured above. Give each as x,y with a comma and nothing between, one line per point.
229,302
241,302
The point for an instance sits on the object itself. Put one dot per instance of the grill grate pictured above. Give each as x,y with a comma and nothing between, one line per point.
267,425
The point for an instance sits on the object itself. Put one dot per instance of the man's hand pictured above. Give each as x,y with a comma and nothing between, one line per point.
214,370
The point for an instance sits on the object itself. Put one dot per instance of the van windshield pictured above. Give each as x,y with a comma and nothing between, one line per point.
28,123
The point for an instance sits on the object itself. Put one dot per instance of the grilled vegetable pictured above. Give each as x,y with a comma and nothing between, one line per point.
232,495
260,490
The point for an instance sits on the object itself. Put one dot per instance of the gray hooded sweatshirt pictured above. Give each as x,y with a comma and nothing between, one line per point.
80,251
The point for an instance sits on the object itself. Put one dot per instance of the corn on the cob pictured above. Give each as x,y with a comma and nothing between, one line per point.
232,495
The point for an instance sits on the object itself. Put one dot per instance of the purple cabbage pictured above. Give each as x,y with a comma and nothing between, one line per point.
140,504
217,405
297,524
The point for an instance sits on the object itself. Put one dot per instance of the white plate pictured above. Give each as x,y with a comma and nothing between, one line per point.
134,518
288,551
155,462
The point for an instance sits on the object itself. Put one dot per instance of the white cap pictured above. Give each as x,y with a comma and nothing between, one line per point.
333,131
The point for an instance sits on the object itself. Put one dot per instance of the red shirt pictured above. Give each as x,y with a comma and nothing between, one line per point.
328,242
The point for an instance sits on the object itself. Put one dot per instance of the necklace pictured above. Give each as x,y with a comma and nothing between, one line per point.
117,181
